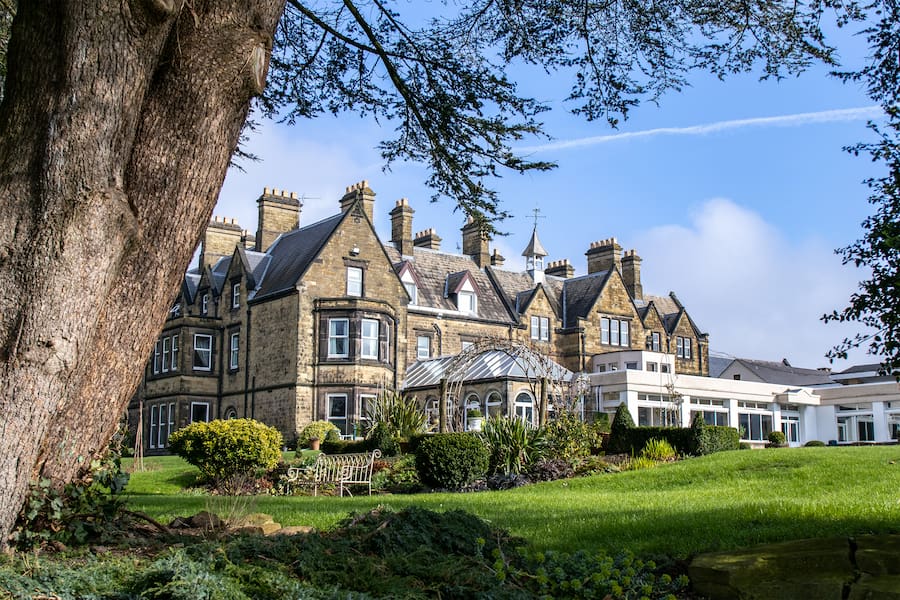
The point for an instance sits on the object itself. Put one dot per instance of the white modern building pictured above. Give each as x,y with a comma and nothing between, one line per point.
860,411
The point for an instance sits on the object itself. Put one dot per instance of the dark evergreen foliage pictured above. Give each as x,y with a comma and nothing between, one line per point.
451,460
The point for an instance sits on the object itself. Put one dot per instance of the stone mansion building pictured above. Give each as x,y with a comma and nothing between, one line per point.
307,322
311,322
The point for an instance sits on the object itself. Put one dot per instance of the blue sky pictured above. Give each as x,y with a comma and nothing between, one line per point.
734,193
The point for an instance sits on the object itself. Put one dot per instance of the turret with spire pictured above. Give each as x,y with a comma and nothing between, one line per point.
534,255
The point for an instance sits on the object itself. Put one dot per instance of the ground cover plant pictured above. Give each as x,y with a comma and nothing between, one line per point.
725,500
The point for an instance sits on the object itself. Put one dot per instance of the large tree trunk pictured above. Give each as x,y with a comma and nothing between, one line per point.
116,130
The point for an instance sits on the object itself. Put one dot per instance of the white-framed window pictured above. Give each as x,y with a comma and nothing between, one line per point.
423,347
171,421
174,366
467,302
412,290
756,426
156,357
790,427
204,304
369,347
235,295
540,329
683,347
711,417
366,402
657,416
165,354
866,429
631,366
199,412
655,344
354,281
614,332
233,351
161,436
663,368
337,411
524,407
338,338
202,352
652,367
493,405
154,425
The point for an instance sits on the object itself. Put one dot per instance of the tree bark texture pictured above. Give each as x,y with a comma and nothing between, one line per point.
116,130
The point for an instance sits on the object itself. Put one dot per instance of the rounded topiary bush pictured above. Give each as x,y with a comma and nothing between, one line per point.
814,443
324,430
451,460
776,438
221,449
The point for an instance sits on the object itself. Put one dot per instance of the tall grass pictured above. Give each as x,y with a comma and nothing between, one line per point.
717,502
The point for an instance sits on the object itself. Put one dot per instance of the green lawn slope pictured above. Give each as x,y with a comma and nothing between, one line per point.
718,502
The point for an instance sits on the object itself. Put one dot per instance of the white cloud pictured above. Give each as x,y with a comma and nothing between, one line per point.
758,292
795,120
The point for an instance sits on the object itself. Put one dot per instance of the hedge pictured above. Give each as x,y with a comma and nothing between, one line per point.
451,460
699,439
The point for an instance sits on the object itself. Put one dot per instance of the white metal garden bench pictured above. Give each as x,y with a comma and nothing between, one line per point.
336,469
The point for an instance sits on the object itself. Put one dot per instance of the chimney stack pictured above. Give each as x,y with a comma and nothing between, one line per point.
279,212
604,256
631,274
560,268
222,236
427,239
475,242
401,227
362,192
496,259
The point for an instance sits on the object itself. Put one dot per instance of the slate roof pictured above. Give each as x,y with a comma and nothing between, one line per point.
191,282
579,295
432,268
291,255
512,284
718,364
494,364
778,372
534,247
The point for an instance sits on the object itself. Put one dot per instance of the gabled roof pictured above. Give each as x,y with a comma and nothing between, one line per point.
455,282
580,294
493,364
779,372
292,253
432,268
534,247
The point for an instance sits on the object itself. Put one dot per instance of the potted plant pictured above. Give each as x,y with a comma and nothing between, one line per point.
313,443
474,419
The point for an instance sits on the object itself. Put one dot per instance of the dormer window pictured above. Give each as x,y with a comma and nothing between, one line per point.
461,287
412,290
467,302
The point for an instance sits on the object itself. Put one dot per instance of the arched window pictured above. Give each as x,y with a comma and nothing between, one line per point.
493,405
525,407
230,413
472,403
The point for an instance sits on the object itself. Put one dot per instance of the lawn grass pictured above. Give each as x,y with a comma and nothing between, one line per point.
718,502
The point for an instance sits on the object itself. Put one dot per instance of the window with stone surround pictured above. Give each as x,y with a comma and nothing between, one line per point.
423,347
540,329
354,281
235,295
203,344
369,345
614,332
234,348
683,347
338,338
337,411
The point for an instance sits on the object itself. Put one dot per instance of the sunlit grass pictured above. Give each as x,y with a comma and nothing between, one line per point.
717,502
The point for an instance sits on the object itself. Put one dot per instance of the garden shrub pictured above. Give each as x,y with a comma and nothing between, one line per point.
680,438
451,460
513,445
715,438
594,465
745,446
659,450
399,416
345,446
382,437
814,443
618,432
221,449
568,437
550,469
399,477
776,439
601,422
324,430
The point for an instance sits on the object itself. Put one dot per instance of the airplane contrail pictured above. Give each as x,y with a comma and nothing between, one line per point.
825,116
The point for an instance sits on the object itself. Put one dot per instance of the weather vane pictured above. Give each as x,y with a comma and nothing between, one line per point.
537,215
